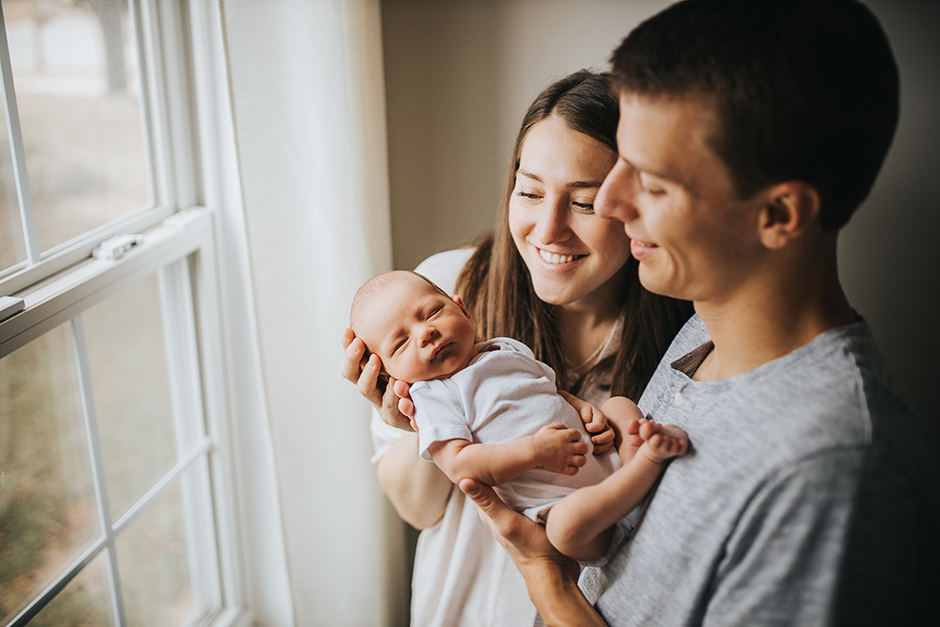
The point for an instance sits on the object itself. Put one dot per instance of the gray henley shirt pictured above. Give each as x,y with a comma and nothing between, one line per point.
810,497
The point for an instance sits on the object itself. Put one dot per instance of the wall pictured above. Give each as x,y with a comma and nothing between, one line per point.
459,76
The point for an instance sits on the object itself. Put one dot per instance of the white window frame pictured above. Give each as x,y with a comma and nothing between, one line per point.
178,243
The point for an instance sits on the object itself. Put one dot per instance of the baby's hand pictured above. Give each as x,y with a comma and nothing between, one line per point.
595,423
560,449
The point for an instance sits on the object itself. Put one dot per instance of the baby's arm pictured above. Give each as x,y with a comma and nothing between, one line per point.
580,525
553,447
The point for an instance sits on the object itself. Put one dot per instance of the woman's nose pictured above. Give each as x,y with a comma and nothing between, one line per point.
617,196
552,223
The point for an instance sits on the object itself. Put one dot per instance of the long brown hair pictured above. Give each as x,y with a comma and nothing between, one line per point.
496,285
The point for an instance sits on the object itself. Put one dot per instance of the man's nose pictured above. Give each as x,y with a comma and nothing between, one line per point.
617,196
552,224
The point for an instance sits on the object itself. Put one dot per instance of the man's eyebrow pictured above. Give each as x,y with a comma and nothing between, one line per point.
575,184
651,172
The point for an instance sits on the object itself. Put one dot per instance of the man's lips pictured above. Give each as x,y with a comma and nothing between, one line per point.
640,249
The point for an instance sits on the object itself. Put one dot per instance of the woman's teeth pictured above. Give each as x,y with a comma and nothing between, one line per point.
556,258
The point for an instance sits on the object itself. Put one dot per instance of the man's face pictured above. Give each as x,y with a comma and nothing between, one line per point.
417,332
694,238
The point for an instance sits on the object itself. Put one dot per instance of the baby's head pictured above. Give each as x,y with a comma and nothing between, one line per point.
418,331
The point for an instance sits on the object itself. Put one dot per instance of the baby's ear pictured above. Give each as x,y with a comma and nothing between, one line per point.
460,304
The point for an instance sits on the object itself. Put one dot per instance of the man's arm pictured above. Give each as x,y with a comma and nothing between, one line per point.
553,447
550,576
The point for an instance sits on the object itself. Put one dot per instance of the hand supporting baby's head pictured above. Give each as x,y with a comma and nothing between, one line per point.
417,330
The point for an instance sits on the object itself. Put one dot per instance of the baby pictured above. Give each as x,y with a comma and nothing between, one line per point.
490,411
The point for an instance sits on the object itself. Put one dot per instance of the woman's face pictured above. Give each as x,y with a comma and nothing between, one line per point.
573,256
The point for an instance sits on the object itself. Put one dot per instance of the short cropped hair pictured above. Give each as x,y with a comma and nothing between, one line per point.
803,89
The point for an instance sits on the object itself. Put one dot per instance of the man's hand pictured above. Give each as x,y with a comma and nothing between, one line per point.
552,578
560,449
524,540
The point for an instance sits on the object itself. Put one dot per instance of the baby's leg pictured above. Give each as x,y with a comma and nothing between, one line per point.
627,419
564,528
580,525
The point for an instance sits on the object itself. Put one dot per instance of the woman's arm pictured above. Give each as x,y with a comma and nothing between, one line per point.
552,578
417,489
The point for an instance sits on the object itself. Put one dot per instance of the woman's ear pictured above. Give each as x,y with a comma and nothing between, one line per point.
790,209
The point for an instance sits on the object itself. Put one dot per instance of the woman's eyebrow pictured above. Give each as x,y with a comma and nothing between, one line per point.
575,184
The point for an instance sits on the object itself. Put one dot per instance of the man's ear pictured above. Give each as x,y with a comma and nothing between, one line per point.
790,209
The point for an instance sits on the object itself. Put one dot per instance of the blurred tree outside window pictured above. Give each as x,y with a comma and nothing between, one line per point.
99,463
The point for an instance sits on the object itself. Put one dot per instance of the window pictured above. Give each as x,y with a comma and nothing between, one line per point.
115,494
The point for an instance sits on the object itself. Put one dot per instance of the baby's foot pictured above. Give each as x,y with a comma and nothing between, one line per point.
632,440
663,442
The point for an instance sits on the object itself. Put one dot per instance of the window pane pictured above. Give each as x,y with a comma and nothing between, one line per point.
12,249
127,358
77,93
85,602
152,560
48,513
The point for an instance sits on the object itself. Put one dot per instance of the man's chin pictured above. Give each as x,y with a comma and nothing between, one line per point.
657,284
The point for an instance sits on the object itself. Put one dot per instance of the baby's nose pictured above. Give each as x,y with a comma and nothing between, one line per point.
428,334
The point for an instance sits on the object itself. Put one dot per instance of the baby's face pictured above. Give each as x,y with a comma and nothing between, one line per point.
417,332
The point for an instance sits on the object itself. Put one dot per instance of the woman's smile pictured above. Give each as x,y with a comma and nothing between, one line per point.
558,259
573,255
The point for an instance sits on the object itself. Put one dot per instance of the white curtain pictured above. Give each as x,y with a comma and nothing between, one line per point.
309,114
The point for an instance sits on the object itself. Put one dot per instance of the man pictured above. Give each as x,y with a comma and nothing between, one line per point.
749,134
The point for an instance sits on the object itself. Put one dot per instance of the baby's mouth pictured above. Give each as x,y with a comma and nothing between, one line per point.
437,351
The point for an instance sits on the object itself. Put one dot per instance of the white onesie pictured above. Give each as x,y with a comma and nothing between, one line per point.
505,394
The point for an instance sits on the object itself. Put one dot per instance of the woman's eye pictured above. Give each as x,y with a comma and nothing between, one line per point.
528,195
584,207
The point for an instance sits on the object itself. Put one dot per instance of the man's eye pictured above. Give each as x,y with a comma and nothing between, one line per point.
648,189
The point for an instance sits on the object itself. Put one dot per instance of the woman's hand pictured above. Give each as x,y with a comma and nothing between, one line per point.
365,374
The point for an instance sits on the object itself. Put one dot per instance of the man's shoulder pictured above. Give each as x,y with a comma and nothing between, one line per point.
692,335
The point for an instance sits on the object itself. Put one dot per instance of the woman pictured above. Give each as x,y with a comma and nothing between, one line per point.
559,279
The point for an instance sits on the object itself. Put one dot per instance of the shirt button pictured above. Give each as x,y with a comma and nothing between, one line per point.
677,399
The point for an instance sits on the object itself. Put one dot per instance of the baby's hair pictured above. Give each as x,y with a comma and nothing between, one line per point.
376,286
